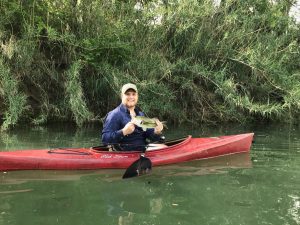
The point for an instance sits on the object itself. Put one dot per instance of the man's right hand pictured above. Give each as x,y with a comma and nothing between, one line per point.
128,129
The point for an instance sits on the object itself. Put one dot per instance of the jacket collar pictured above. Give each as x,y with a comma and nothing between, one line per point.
123,108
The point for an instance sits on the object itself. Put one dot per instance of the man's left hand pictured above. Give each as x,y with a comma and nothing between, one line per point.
158,129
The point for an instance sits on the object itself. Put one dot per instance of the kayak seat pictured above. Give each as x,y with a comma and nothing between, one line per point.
175,141
110,148
101,148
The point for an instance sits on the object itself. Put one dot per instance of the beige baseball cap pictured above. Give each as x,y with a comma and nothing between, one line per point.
128,86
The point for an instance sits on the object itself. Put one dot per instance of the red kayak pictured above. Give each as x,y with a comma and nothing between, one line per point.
176,151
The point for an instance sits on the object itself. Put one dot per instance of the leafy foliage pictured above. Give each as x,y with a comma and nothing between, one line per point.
15,101
192,60
74,92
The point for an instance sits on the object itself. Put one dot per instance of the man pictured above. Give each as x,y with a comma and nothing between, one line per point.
118,126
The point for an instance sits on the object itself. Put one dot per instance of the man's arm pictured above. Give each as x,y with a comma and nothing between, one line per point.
112,132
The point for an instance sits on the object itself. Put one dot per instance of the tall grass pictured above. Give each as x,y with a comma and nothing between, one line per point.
14,100
191,60
75,95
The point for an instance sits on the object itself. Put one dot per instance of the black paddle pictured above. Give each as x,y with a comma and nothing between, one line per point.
139,167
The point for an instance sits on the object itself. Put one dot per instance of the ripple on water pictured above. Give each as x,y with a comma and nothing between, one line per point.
294,211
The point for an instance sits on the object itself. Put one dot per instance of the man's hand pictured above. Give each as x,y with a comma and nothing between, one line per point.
158,129
128,129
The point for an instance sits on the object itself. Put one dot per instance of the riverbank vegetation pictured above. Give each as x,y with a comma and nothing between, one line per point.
193,61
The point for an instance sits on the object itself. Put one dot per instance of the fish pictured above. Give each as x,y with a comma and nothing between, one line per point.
145,122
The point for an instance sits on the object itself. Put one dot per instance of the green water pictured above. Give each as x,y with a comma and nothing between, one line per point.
262,187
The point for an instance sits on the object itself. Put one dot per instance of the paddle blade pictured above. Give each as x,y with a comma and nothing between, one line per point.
139,167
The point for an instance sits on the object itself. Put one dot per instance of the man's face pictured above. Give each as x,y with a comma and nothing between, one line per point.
130,98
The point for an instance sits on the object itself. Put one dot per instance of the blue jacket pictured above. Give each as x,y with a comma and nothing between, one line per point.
115,122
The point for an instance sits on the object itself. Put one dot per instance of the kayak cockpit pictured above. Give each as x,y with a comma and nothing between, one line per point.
151,147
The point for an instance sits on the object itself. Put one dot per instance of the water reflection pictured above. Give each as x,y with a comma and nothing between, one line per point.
151,195
154,206
199,167
130,201
215,165
128,210
294,211
19,177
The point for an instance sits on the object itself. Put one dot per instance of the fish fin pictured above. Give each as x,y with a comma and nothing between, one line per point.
165,124
144,128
